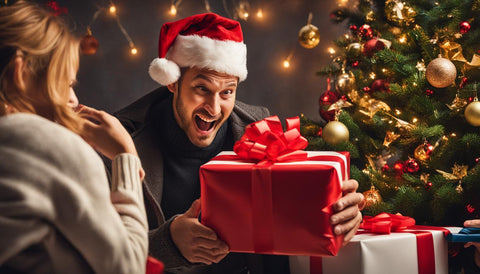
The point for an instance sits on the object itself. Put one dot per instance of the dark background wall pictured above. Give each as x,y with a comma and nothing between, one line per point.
112,78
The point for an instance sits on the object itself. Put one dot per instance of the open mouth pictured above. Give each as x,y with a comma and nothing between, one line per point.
204,124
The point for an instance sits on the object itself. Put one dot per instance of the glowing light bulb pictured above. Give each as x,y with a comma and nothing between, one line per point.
331,50
245,15
402,39
259,13
112,9
398,112
173,10
372,75
414,120
134,51
286,64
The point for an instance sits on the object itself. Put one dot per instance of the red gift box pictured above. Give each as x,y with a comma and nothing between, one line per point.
274,207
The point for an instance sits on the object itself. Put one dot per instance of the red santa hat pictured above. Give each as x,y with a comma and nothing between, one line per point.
203,41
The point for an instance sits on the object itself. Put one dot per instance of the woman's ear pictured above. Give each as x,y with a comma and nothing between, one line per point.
173,87
19,73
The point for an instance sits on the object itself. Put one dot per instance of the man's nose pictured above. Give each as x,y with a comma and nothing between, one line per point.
214,105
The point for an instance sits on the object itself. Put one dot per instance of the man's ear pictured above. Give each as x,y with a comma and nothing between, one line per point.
173,87
19,73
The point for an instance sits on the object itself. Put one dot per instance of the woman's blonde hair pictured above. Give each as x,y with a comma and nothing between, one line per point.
50,53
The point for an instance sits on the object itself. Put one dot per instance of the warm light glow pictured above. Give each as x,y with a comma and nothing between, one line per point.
245,15
453,135
134,51
372,75
414,120
286,64
112,9
331,50
414,84
173,10
402,39
384,70
390,122
259,13
398,112
347,36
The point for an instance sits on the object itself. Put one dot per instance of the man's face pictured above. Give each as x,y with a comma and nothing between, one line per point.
202,103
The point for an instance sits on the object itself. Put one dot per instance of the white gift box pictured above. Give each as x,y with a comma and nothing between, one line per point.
368,253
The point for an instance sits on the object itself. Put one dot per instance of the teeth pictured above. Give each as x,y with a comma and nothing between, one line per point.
206,119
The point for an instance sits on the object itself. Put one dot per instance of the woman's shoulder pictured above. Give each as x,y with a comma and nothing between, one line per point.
38,137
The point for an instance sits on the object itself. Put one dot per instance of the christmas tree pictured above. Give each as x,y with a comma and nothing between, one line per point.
402,99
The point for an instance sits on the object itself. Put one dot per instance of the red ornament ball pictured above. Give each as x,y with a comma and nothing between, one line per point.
398,166
470,208
366,89
428,148
88,44
326,99
355,64
385,168
463,82
411,166
464,27
428,185
353,29
366,31
380,85
477,160
371,46
429,92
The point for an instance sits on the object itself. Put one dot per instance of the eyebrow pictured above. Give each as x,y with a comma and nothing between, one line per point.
201,76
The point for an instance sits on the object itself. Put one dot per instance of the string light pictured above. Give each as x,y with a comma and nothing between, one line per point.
260,13
173,10
402,39
372,75
414,120
398,112
331,50
286,63
134,51
112,9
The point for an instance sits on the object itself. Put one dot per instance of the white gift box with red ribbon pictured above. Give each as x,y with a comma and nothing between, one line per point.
418,250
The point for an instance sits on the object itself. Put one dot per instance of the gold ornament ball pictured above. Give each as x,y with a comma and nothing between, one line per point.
345,82
441,72
399,13
309,36
335,132
372,197
354,50
420,153
472,113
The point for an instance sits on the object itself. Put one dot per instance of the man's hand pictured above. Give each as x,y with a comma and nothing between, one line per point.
474,223
347,216
196,242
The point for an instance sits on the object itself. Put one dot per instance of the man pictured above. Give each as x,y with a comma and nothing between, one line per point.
182,125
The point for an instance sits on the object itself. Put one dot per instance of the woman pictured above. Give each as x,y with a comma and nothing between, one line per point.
57,214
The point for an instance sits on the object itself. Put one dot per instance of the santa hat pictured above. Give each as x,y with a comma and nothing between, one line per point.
204,41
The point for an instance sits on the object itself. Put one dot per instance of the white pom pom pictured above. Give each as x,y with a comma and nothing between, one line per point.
164,71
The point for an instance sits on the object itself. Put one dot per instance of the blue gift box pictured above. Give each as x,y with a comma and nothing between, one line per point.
467,234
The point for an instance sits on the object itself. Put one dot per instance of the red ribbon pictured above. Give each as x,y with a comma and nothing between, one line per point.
265,140
384,223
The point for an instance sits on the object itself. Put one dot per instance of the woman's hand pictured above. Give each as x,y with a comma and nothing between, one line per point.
105,133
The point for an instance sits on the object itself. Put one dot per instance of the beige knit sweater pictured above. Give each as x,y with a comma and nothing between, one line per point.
57,214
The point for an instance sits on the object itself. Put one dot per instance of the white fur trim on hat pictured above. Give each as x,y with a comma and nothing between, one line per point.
227,56
164,71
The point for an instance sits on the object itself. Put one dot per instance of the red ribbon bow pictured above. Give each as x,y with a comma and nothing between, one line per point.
265,140
384,223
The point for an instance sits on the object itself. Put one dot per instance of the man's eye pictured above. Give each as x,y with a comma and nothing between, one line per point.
201,88
228,92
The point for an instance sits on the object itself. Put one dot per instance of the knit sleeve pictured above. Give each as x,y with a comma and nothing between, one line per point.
54,196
